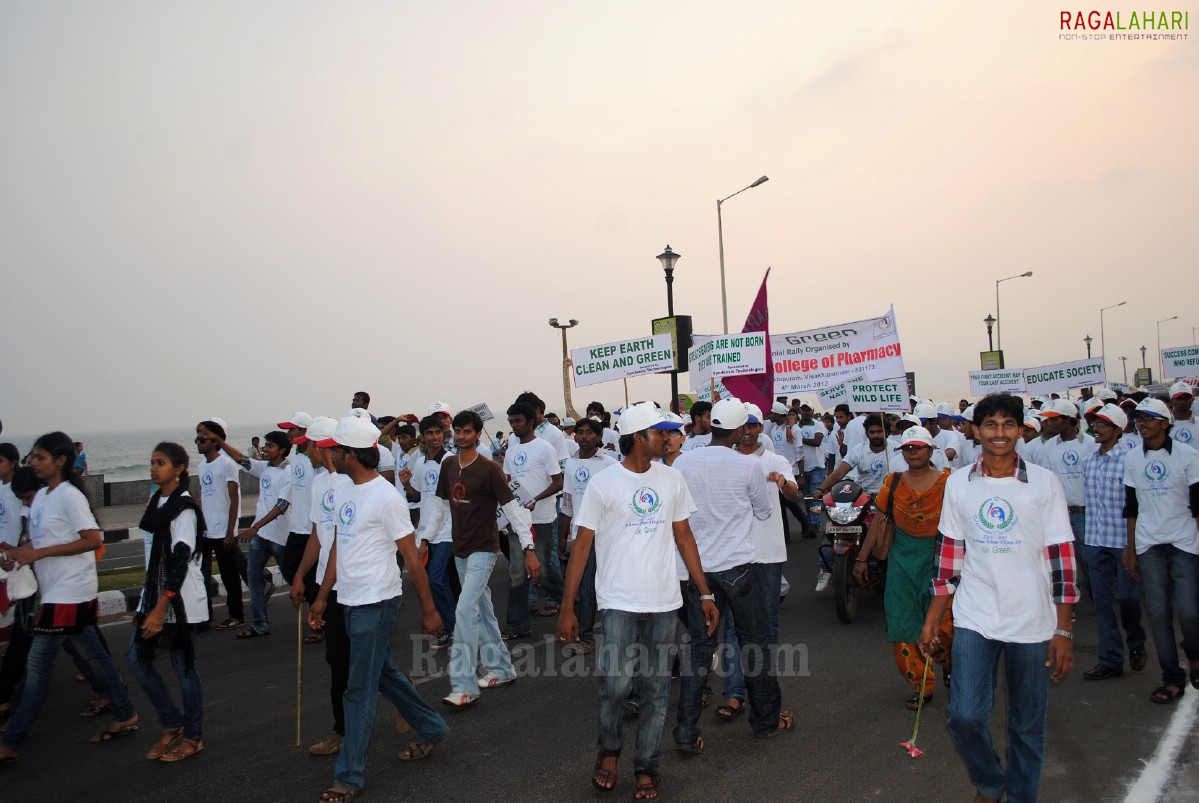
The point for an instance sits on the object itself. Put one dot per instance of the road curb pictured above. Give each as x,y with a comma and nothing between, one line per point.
113,603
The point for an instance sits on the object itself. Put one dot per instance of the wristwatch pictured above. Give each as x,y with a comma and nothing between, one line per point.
531,548
1064,634
707,597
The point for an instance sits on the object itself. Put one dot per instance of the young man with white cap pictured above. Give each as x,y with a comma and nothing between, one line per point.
730,491
701,426
636,515
1161,506
811,435
786,439
220,502
1063,454
938,420
1185,429
301,494
1106,537
436,540
372,523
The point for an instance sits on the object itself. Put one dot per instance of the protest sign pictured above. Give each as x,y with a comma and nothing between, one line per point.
704,391
890,395
725,355
483,411
622,360
1064,376
1180,361
818,359
835,395
983,383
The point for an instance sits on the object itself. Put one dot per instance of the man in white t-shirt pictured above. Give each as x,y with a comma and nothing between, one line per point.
1161,481
730,492
1185,429
786,439
532,466
372,523
701,426
635,514
812,435
1006,554
220,501
301,493
1063,455
832,444
435,539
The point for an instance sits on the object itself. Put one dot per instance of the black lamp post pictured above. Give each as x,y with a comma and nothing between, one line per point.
668,259
990,322
1088,340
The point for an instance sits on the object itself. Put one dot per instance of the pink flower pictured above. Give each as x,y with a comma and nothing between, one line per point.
913,750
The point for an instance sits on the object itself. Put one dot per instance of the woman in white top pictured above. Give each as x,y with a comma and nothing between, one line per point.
173,601
63,535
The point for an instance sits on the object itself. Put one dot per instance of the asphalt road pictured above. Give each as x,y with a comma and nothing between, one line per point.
534,740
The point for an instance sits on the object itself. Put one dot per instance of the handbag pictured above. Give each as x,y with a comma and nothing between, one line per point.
884,524
22,583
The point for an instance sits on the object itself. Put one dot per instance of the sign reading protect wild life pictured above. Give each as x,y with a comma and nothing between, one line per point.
889,396
818,359
622,360
1181,361
725,355
1064,376
983,383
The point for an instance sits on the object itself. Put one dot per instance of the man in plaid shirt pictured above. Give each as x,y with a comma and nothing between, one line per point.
1005,551
1106,535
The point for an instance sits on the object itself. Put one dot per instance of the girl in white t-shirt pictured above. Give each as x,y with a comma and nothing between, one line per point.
63,535
173,601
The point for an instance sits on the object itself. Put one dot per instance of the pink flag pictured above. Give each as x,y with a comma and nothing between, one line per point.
756,388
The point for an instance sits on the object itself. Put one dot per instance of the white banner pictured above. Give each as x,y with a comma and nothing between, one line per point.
725,355
704,391
833,396
1064,376
818,359
622,359
1180,361
483,410
1004,380
890,396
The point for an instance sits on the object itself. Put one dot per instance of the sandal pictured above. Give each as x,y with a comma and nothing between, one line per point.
164,743
251,633
602,779
415,751
913,702
186,748
727,712
508,635
338,793
550,609
1163,695
786,725
647,789
108,735
632,710
693,747
581,647
315,637
95,707
232,623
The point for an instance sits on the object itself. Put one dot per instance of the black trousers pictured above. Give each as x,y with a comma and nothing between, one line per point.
231,563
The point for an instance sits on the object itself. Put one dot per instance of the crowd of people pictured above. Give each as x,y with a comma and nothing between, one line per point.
997,519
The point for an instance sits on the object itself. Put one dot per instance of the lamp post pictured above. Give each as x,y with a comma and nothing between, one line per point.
989,321
1143,350
1161,363
570,408
668,259
1124,360
724,300
1102,337
998,327
1088,340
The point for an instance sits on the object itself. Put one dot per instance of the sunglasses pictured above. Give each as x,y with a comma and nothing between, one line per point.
911,447
201,439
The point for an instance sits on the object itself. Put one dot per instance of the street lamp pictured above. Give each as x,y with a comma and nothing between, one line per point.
1088,340
1102,337
668,259
724,300
998,328
1161,363
570,408
1124,360
1143,350
989,321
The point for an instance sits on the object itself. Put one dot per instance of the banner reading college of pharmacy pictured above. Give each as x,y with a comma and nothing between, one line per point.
622,360
1064,376
818,359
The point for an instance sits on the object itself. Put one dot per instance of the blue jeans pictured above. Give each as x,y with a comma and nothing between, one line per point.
192,718
770,577
640,645
372,672
1170,580
438,570
585,602
735,589
519,619
1078,526
1112,586
975,672
478,635
814,478
261,550
39,668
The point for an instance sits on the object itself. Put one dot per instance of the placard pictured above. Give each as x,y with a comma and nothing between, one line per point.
704,391
983,383
621,360
888,396
838,394
725,355
1180,361
483,411
818,359
1064,376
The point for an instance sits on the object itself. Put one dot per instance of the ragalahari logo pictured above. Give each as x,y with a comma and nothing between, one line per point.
1123,24
645,501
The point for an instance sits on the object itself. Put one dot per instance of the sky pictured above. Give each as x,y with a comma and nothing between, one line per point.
245,209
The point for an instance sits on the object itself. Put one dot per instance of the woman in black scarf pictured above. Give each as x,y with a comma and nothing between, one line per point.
173,601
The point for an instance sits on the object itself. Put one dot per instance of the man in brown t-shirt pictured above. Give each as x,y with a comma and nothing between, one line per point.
474,487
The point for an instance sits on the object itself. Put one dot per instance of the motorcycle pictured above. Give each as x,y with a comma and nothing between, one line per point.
846,512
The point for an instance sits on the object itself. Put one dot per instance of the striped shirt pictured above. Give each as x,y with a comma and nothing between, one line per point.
1103,486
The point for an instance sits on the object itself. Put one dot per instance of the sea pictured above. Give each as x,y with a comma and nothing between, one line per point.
121,456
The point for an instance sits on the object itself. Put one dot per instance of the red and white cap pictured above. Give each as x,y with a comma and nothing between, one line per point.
439,407
1059,407
321,428
1090,406
1181,389
353,433
1113,415
298,419
915,436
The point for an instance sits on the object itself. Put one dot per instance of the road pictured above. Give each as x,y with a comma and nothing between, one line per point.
534,740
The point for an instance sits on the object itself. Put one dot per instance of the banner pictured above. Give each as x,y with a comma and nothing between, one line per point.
1180,361
889,396
983,383
1064,376
725,355
483,411
818,359
756,388
704,391
835,395
622,359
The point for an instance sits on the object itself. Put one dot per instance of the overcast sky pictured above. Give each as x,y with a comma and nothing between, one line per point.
243,209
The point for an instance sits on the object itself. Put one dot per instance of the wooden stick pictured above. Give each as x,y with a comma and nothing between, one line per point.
626,391
299,666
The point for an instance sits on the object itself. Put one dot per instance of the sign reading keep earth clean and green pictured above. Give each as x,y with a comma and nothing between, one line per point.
622,359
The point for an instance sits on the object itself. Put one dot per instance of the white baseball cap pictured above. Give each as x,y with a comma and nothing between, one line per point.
755,412
1105,394
322,427
925,411
729,414
1113,415
916,436
646,415
778,408
1091,405
1033,422
221,423
911,419
298,419
1059,407
968,414
353,433
439,407
568,422
1181,389
947,409
1153,407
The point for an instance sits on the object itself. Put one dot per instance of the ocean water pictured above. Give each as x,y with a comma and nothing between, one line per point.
126,455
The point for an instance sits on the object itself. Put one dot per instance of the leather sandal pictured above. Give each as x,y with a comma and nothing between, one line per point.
164,743
602,779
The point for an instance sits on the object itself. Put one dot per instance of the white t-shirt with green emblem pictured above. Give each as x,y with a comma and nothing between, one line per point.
370,519
1162,481
575,480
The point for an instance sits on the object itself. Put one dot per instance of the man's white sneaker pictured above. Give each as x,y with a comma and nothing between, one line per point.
823,578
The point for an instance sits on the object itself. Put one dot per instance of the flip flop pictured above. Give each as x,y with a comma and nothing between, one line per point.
231,623
315,637
786,724
95,709
251,633
415,751
338,793
727,713
109,735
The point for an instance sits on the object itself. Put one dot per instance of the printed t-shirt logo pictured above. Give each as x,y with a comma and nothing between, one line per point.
582,474
36,521
1070,458
299,471
206,478
327,502
876,466
345,516
266,482
1184,436
520,459
645,501
996,514
431,480
1156,471
2,509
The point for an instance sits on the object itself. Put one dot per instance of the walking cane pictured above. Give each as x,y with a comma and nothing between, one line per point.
299,666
